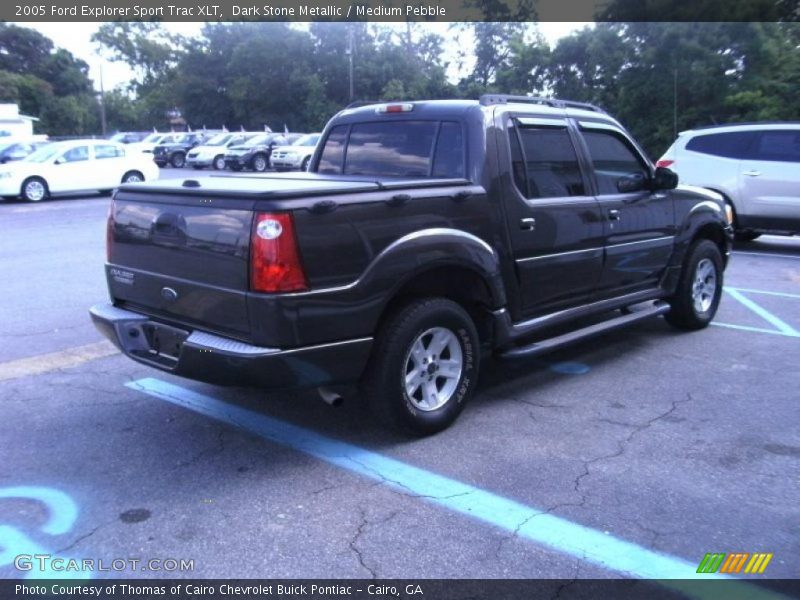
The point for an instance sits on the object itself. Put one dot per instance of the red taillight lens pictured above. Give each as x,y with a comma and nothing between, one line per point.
665,163
274,258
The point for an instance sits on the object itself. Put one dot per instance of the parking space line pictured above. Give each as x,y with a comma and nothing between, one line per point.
762,312
748,328
63,359
764,292
767,254
523,521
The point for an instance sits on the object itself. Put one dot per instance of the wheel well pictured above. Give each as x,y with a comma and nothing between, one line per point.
459,284
713,232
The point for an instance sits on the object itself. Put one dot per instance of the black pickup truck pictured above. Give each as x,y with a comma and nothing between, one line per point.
426,236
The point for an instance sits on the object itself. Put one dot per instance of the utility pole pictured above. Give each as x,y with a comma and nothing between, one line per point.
349,53
675,103
103,124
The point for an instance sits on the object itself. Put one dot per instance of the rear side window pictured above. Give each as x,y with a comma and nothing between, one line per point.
395,149
733,144
546,165
611,159
332,159
779,145
107,151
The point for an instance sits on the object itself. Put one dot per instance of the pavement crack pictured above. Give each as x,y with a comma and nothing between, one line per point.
79,539
362,526
404,489
217,448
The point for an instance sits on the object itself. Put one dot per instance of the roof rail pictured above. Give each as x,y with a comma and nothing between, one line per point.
489,99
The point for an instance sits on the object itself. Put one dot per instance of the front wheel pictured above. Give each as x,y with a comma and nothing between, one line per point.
219,163
132,177
178,160
699,290
424,367
34,189
260,163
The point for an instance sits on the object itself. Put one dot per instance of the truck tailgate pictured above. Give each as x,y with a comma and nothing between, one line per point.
183,261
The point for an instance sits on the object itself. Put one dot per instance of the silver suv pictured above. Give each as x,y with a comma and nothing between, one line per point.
756,166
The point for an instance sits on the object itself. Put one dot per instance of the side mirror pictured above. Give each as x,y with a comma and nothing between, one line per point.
665,179
59,161
634,182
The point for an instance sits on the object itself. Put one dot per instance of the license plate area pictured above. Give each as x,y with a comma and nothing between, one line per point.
162,344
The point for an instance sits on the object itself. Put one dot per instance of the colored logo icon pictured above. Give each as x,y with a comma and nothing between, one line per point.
733,563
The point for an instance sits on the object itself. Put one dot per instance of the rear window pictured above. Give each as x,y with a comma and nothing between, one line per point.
395,149
734,144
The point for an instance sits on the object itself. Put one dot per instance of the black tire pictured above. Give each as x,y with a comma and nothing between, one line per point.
34,189
219,163
304,165
746,236
259,163
688,304
384,384
178,160
132,177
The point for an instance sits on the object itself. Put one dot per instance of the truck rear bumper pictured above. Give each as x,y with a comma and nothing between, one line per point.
224,361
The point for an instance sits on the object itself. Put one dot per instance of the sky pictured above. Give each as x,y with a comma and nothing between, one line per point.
76,37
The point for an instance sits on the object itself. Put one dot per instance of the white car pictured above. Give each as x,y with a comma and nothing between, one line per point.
296,156
755,166
75,166
148,144
212,153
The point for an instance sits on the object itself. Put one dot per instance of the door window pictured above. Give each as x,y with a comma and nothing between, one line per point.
107,151
544,163
779,145
77,154
612,158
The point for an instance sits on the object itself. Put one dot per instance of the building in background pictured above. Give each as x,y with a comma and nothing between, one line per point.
14,124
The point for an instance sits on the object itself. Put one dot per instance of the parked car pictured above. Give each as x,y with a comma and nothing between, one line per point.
74,166
755,166
296,156
255,153
447,231
212,152
16,149
174,153
148,144
129,137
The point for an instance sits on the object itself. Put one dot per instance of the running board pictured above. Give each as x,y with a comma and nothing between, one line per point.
543,346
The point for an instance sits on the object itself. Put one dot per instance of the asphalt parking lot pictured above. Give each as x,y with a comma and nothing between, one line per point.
635,454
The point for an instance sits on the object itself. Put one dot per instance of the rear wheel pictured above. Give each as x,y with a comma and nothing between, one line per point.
219,162
424,366
697,296
178,160
260,163
34,189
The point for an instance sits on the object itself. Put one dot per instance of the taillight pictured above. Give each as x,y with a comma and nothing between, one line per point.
110,231
274,258
665,163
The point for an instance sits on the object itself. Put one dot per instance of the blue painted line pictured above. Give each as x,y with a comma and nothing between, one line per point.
62,509
527,522
762,312
765,292
747,328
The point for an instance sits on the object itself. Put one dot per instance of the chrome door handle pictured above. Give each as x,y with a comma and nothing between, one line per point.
752,173
613,215
528,224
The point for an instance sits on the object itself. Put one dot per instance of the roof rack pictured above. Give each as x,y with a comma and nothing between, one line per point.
489,99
